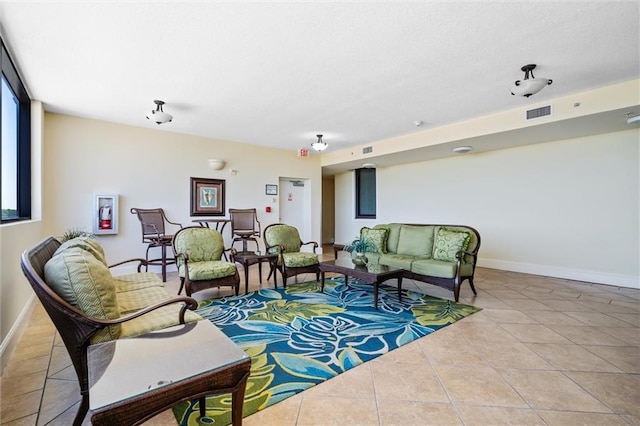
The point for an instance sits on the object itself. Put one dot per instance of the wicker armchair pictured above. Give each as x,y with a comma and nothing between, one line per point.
77,328
198,251
285,241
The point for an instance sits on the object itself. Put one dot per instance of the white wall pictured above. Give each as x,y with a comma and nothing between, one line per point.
567,208
151,168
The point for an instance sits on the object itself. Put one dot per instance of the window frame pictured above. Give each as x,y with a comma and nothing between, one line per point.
23,175
363,177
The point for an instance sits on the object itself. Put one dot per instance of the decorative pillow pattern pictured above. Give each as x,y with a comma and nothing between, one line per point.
377,237
284,235
200,244
448,242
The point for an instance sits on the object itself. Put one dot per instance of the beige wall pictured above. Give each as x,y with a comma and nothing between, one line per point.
567,208
152,168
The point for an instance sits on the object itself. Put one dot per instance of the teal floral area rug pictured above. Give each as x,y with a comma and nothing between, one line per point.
300,337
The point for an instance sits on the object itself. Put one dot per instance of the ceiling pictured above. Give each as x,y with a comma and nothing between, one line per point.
278,73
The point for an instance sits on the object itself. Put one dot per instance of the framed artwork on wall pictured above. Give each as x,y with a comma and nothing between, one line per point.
207,197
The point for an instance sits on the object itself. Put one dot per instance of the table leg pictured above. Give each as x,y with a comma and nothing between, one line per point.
375,293
400,289
260,270
322,282
245,266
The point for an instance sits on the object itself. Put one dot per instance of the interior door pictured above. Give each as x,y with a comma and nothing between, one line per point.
294,205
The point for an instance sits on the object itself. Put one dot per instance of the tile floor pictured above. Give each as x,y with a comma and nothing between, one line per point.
543,351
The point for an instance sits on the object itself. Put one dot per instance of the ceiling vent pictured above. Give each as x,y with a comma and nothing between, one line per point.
367,150
544,111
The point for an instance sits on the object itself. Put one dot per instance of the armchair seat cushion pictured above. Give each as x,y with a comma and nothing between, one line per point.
136,281
208,270
299,259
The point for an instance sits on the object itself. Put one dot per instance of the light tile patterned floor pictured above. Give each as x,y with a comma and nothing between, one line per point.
544,351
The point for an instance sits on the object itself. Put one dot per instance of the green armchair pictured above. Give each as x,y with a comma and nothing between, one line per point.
285,241
198,251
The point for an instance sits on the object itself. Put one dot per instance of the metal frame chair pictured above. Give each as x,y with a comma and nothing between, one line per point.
153,223
244,227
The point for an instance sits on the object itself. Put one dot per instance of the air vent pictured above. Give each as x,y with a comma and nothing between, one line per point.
544,111
367,150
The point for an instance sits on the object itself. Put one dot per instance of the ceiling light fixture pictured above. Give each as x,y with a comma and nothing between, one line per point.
529,86
319,145
158,116
462,149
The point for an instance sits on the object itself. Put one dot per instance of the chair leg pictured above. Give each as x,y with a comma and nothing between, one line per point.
82,410
181,285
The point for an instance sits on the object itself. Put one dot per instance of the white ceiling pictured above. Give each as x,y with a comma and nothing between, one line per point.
277,73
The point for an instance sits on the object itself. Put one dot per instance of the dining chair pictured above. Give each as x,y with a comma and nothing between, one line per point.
244,227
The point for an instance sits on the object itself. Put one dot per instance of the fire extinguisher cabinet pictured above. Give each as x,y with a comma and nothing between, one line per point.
105,220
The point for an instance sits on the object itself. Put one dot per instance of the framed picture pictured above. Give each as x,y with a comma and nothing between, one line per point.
207,197
272,190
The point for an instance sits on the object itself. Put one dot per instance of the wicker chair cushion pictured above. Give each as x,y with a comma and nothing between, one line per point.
296,260
284,235
200,244
208,270
85,282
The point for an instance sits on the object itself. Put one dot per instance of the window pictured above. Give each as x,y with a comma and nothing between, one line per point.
365,193
15,144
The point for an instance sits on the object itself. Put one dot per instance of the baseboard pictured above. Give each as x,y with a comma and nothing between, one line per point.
9,344
597,277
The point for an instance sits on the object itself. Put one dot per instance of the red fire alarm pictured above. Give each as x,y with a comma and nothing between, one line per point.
267,209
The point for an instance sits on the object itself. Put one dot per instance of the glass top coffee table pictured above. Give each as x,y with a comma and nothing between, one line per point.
372,274
133,379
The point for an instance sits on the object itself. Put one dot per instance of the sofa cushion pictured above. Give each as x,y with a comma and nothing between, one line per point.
392,237
448,242
136,281
396,261
416,241
440,268
85,282
164,317
89,244
377,238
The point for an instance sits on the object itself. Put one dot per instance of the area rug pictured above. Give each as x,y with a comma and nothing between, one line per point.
300,337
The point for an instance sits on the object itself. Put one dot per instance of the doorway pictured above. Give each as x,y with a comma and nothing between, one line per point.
295,205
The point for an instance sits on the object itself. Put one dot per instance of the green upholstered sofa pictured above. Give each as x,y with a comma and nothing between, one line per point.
444,255
88,305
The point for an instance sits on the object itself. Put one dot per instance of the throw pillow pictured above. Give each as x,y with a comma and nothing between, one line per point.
416,240
448,242
377,237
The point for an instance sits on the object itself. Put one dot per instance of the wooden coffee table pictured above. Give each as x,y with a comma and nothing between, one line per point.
133,379
371,274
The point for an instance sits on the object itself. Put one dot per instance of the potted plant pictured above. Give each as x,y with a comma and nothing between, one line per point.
72,233
358,248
